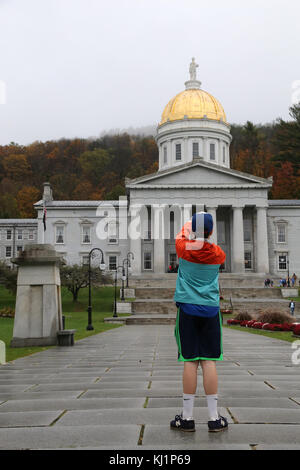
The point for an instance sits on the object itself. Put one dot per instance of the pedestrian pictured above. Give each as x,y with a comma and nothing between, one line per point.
292,306
198,329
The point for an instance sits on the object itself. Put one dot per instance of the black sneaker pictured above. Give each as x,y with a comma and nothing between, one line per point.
219,425
187,425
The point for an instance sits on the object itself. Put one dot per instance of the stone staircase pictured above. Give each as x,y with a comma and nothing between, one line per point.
154,303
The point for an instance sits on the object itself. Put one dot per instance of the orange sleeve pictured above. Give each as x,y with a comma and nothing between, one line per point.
182,238
203,253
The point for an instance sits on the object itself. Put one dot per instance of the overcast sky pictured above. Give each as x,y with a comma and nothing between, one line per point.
75,68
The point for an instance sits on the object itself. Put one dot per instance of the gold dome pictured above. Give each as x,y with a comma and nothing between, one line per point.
193,103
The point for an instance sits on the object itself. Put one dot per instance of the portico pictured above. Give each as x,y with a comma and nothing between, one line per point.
237,202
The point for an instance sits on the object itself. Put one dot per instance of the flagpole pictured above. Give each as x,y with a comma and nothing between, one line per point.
44,222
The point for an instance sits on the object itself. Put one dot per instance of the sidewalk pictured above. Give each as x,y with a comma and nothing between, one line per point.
121,388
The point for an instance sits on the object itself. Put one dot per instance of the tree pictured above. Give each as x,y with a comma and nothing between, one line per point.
16,167
75,277
9,277
27,196
94,164
286,184
287,139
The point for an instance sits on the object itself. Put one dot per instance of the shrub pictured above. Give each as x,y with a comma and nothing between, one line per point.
271,316
7,312
243,316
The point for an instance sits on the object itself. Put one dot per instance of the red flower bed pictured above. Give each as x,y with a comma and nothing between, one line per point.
296,329
233,322
293,327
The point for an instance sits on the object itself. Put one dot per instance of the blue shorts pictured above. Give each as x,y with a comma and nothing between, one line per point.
198,338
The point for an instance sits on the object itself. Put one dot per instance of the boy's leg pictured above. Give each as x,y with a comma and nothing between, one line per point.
189,381
210,384
190,377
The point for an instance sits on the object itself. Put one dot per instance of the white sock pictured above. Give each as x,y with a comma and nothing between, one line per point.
188,406
212,404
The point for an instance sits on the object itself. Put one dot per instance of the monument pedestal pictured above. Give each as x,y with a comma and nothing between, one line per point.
38,314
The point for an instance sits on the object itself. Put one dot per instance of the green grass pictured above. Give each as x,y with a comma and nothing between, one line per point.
282,335
75,317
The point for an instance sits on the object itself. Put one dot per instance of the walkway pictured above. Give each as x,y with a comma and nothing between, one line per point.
121,388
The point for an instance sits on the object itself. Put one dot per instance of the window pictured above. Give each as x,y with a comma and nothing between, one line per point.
147,232
112,262
281,233
195,149
212,151
224,154
247,230
85,259
165,156
282,262
8,252
19,250
30,235
8,234
60,229
178,151
86,234
248,260
19,234
172,259
147,260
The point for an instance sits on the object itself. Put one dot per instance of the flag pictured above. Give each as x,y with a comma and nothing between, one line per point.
44,217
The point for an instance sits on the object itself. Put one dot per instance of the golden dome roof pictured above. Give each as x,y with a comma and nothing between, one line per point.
193,103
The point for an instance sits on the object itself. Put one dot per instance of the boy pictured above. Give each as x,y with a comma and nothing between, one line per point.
198,324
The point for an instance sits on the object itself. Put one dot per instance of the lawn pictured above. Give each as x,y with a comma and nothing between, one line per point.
75,317
282,335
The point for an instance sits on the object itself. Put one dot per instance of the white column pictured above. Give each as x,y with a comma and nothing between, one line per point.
185,157
238,251
159,239
134,233
213,212
262,241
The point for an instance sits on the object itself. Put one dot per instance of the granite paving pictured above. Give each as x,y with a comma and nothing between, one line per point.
120,389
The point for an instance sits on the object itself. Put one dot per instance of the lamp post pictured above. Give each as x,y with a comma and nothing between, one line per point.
288,264
123,279
128,258
102,267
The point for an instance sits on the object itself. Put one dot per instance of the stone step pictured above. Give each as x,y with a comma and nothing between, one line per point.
151,320
255,306
153,306
250,293
227,292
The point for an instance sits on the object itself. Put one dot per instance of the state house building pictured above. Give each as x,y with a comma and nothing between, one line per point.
193,137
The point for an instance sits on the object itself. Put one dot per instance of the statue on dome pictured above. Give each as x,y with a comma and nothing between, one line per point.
193,69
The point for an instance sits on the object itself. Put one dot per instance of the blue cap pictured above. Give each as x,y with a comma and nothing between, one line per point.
202,224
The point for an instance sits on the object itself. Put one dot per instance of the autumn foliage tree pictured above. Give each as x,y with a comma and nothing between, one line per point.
95,169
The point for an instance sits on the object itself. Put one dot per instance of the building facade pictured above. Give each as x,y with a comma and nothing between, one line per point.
193,137
15,234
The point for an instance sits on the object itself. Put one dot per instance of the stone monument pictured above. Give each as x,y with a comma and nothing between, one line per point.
38,315
2,352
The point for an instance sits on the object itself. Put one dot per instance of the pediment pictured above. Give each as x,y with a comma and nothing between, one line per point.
200,175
